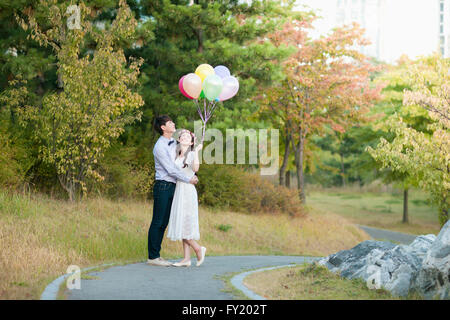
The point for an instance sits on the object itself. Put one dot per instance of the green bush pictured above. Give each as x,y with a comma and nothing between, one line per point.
9,167
13,162
126,174
224,227
227,186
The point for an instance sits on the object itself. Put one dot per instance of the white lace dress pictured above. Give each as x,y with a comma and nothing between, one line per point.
183,221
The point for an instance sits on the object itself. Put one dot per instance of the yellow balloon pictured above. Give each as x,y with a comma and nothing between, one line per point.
204,70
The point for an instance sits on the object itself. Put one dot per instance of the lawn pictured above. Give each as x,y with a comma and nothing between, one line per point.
312,282
40,237
378,209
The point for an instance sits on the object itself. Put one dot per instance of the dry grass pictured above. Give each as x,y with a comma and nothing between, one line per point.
313,235
40,237
312,282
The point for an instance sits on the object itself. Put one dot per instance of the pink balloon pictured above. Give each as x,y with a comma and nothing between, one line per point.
192,85
180,85
230,88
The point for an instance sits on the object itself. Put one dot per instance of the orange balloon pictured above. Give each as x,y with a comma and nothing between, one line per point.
204,70
192,85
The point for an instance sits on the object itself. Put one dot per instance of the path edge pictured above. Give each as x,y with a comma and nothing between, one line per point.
51,290
237,280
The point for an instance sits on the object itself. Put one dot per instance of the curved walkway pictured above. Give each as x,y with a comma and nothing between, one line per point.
381,234
140,281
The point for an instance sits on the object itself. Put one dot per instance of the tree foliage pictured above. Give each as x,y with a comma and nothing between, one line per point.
76,125
327,84
424,156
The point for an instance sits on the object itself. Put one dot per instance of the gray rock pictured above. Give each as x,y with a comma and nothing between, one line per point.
433,279
421,245
423,264
400,280
349,262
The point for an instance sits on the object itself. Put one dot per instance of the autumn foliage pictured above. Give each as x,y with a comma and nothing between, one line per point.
327,85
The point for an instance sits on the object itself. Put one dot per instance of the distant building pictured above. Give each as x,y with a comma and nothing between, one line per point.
444,27
369,15
394,27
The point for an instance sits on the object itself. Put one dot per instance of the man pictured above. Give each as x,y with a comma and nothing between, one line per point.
166,174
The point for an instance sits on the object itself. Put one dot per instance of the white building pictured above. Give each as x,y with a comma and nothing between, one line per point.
444,27
395,27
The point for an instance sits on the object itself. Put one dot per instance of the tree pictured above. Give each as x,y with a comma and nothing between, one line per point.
327,83
423,156
353,163
396,81
229,33
76,125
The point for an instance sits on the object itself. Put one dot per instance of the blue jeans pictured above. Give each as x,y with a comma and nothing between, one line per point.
163,192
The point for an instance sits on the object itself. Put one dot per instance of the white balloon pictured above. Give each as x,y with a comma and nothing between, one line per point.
230,88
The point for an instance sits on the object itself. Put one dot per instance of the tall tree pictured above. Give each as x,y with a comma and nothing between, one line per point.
423,156
327,83
229,33
76,125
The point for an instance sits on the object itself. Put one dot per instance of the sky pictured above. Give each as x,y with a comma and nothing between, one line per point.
408,26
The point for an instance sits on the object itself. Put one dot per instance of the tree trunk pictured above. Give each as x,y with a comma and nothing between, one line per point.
405,206
200,40
443,214
287,151
69,185
59,81
299,166
281,177
342,170
288,178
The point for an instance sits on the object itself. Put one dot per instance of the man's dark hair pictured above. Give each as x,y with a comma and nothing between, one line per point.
160,121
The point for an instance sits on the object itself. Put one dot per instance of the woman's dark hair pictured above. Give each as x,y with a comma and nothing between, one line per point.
190,149
160,121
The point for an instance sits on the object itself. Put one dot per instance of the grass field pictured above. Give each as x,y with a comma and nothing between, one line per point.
312,282
40,237
378,209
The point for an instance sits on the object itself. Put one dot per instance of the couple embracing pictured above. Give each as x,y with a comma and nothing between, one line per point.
175,198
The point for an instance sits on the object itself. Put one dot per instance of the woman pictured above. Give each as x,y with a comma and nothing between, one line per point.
183,221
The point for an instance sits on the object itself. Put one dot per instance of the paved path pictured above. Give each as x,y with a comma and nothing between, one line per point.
143,282
140,281
380,234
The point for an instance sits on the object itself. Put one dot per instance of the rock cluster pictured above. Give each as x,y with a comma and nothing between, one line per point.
423,265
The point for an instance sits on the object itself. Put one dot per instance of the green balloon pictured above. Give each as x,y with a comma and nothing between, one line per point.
212,86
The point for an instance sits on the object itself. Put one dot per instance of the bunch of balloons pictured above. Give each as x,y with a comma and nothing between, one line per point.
212,84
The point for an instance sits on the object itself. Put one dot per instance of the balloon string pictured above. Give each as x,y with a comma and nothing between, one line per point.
208,110
199,110
212,108
203,132
204,108
206,119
